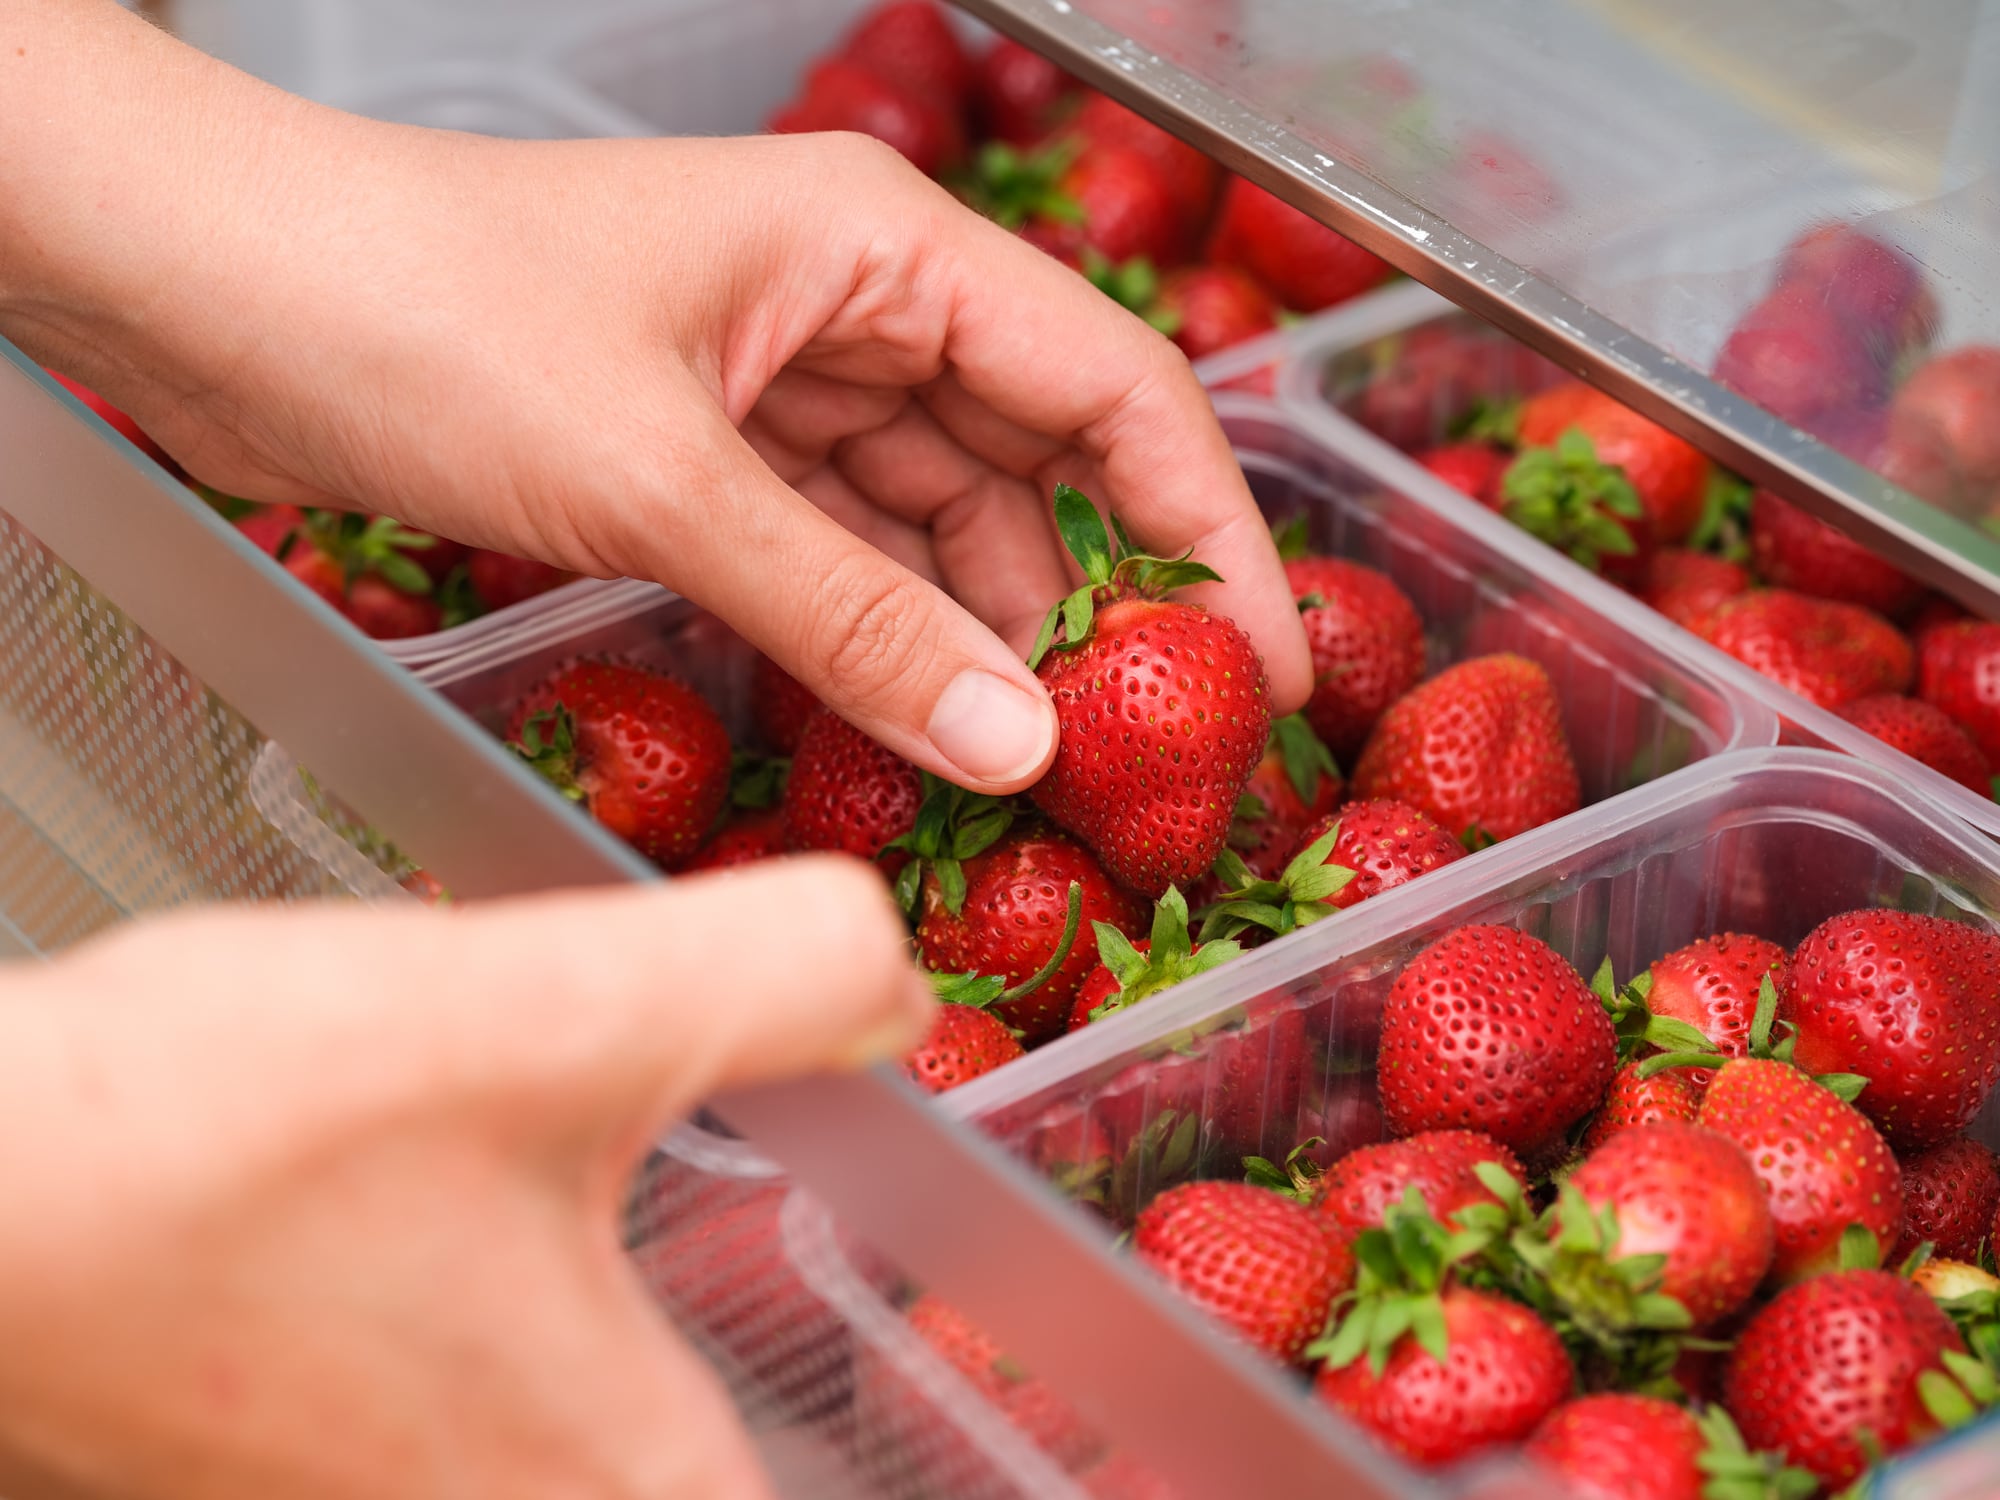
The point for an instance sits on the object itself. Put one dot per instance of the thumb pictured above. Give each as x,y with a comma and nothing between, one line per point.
578,1025
886,650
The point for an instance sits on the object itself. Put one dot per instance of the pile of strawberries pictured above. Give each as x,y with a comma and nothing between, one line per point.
1206,257
1750,573
1640,1230
1177,826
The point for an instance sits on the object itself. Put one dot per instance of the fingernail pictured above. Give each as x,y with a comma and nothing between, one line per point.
990,729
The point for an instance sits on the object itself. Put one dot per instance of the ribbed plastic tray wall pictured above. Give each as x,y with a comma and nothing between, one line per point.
1323,373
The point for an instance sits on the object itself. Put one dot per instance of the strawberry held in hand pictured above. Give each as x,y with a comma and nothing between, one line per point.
644,754
1479,749
1163,708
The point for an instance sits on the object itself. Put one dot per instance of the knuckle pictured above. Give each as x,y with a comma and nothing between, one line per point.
874,626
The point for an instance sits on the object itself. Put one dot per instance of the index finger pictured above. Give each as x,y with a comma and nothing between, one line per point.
1048,352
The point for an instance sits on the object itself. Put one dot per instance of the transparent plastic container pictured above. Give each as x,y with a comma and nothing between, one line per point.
1280,1046
1320,370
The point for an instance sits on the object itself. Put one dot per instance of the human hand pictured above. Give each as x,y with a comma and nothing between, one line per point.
323,1204
787,377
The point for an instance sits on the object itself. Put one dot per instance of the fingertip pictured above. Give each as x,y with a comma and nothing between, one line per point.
996,733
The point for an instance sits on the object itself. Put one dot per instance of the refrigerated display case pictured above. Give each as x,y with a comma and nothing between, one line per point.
1679,149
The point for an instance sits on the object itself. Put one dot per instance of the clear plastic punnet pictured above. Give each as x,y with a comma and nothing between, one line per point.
1320,373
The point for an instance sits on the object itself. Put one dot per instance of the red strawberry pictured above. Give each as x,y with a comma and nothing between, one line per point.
1934,613
269,527
1367,644
1692,1196
1306,264
1031,1406
1960,674
1207,308
1110,201
1188,172
848,793
1836,1357
1684,585
1129,972
1672,1096
1011,912
1419,384
1163,708
384,612
643,753
1950,1196
910,45
1471,468
1359,1188
119,421
501,580
1251,1258
1021,93
1912,1004
1503,1372
1868,284
1123,1477
1479,748
1294,786
1794,550
1952,403
965,1042
1826,1167
843,95
1923,733
1829,654
1801,362
779,705
1490,1030
1712,985
747,837
1621,1447
1669,473
1385,844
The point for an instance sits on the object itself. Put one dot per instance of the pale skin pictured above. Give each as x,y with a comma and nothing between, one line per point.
307,1226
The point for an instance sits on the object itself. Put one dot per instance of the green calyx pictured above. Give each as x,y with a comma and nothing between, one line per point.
1400,1271
1639,1030
1293,539
1297,1177
1300,896
548,743
1563,1263
1495,422
1106,564
1961,1392
952,826
367,544
1724,527
1169,960
1732,1470
1977,1315
1134,285
1304,754
1010,186
983,990
1569,499
1771,1040
757,781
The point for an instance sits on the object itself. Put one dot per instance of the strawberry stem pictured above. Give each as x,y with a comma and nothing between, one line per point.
1106,565
548,744
982,990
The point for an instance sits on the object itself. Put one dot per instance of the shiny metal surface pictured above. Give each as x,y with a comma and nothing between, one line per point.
1611,180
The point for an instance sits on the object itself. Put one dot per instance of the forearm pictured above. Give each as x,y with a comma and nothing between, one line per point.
130,168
